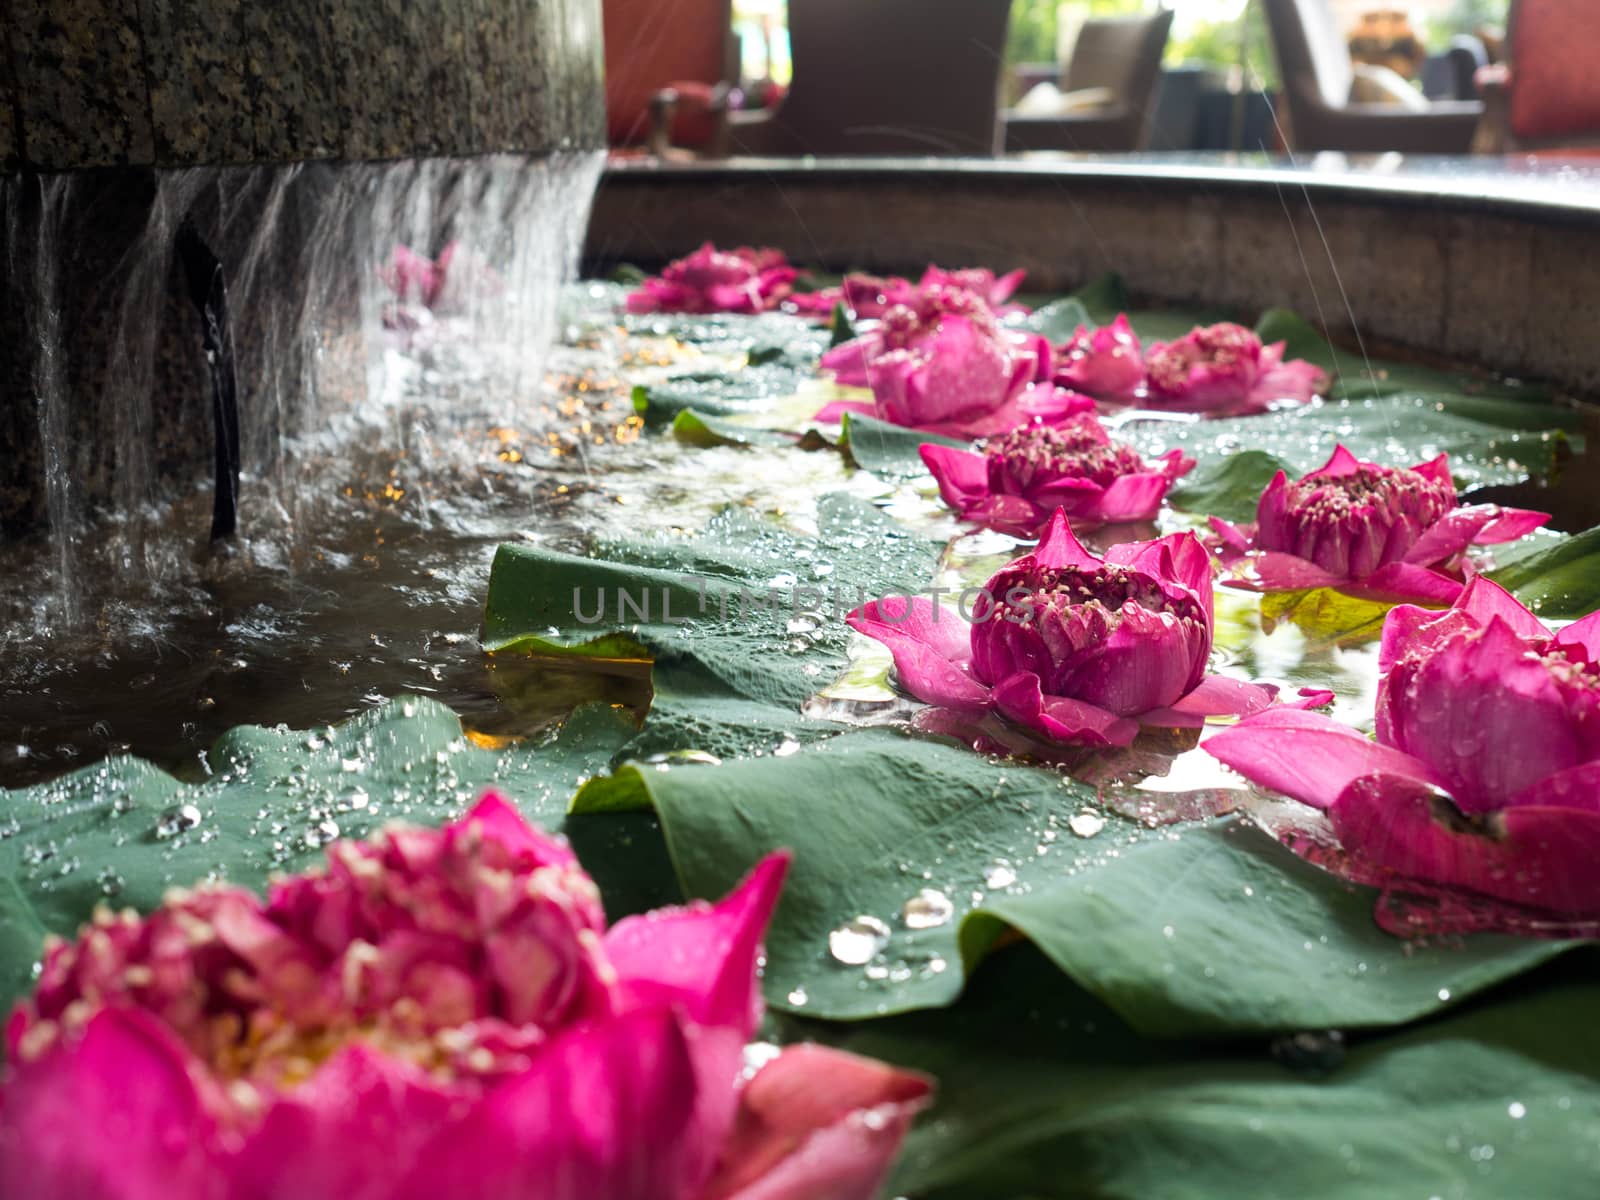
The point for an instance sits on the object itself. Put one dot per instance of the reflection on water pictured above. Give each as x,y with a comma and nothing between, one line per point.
375,585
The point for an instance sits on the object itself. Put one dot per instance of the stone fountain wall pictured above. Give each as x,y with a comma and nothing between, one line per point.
294,135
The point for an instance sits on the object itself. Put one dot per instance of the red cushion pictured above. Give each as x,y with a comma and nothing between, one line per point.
1555,63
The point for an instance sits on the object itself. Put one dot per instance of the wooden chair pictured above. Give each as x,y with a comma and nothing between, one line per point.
877,77
1319,81
685,46
1547,95
1118,59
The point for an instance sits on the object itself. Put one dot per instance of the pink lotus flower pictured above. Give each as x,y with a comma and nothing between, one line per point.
1486,770
962,379
711,281
1382,532
1074,647
907,326
1224,370
996,292
439,1013
1021,477
1107,363
870,297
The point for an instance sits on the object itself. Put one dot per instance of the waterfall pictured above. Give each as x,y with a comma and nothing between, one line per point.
330,368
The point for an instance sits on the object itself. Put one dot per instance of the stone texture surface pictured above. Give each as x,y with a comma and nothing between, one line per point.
294,75
80,94
200,103
1511,292
216,82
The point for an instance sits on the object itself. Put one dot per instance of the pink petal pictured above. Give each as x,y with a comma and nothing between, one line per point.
1541,856
963,476
1297,380
1511,524
1575,787
1340,463
848,360
832,413
1011,514
1234,537
1407,627
1216,695
1132,498
701,958
1310,698
610,1110
1483,600
1451,534
114,1116
1306,755
1175,464
1275,571
931,648
1059,546
1583,635
1400,581
817,1124
1006,286
1437,470
1051,405
496,819
1178,557
1061,719
354,1129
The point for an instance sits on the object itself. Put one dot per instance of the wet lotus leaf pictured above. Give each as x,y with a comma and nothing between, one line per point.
1229,486
702,429
1480,398
1561,581
1202,929
757,607
840,330
887,449
122,832
720,393
1103,297
1045,1093
799,340
1399,429
1059,320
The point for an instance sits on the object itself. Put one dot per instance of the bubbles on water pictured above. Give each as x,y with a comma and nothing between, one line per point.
178,819
1516,1110
857,941
928,909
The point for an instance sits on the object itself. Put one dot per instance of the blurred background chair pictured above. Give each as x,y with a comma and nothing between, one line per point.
1336,104
1453,73
1106,93
686,47
1547,96
878,77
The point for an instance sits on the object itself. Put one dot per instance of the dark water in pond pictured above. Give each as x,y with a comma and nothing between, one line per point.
374,586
